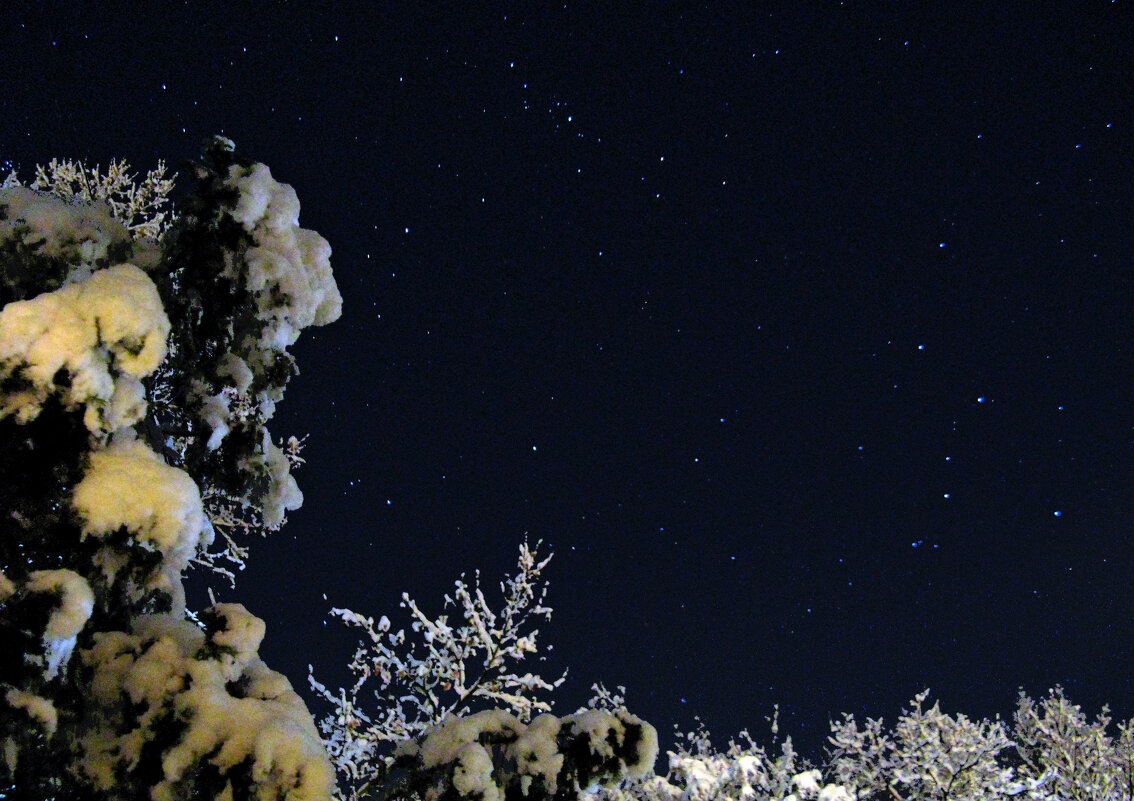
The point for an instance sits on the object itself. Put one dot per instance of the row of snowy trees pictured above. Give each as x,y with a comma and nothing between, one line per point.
143,350
1051,750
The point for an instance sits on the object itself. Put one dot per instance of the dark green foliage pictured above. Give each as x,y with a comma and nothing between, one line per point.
42,461
203,286
24,271
168,730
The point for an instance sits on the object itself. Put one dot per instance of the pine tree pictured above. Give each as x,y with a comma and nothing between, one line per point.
139,366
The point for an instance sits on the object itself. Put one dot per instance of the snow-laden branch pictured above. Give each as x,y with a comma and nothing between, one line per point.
139,204
438,668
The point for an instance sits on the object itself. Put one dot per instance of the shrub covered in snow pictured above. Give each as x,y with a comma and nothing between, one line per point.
491,755
437,669
929,755
404,736
136,204
744,771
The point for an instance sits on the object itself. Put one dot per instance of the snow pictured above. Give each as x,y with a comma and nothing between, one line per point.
78,234
283,491
127,405
535,752
472,774
807,782
105,333
255,188
39,709
127,484
605,730
444,741
835,792
234,708
215,414
232,366
806,787
7,587
75,607
286,259
244,631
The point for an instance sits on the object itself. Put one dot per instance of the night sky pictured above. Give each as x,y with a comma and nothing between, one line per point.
800,332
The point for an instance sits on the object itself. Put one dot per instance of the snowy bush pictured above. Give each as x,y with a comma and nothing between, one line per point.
1064,756
1052,752
138,205
491,755
408,739
930,755
744,771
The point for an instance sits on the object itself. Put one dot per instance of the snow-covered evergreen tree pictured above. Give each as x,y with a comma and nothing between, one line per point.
137,373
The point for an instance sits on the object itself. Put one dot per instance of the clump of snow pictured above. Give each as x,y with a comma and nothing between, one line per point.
626,745
38,708
7,587
80,235
806,787
232,366
445,741
836,792
487,755
90,342
127,405
287,260
243,631
537,756
472,774
216,415
233,712
621,744
807,782
127,484
283,492
76,602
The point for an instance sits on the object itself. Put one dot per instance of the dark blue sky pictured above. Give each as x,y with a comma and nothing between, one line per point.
802,334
